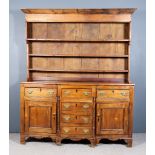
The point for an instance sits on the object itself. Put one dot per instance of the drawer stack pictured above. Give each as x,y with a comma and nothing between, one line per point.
76,108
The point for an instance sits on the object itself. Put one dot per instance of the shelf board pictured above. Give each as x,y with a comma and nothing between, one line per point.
78,56
78,71
75,79
65,40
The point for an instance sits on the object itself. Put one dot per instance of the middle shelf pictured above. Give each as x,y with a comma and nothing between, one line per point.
78,71
68,40
78,56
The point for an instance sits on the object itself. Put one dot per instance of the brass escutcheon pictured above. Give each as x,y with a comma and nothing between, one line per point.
101,93
30,91
123,93
85,130
50,92
66,92
86,93
66,130
85,119
66,106
66,118
85,106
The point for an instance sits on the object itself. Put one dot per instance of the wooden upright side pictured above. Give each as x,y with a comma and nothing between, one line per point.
22,112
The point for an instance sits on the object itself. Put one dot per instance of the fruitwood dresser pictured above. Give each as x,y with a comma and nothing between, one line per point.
78,75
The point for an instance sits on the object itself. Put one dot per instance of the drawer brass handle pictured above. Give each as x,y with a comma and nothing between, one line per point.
101,93
85,130
85,119
123,93
66,118
85,106
66,106
86,93
66,92
50,92
66,130
30,91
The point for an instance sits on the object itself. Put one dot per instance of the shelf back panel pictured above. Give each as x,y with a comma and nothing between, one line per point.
79,31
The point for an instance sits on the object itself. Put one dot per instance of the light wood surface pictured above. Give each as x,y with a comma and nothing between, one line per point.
78,73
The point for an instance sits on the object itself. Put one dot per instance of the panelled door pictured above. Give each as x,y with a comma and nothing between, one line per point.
40,116
112,118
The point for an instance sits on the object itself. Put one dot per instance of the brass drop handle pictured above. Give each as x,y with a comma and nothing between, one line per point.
30,91
86,93
66,106
85,130
101,93
66,118
123,93
66,130
85,106
50,92
66,92
85,119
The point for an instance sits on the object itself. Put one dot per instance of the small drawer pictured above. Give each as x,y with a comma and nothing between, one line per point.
76,93
40,92
108,95
68,118
68,130
68,106
76,119
76,130
82,106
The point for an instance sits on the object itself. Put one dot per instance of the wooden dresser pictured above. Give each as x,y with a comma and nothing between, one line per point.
78,75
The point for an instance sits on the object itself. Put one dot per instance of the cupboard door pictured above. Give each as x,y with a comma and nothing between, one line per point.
40,117
112,118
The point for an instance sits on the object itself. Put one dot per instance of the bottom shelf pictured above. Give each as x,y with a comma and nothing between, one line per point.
73,79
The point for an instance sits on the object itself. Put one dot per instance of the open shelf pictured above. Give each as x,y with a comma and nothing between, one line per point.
78,56
78,71
67,40
73,79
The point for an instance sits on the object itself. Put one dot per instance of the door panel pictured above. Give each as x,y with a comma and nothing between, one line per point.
40,117
112,118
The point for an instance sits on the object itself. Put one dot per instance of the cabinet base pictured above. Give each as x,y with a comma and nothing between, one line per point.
93,142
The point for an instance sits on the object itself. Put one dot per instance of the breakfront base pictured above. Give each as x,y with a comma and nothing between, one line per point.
23,137
128,141
92,140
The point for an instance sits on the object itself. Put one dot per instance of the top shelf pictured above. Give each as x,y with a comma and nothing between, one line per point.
66,40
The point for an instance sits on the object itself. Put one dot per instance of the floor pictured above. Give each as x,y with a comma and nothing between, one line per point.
46,147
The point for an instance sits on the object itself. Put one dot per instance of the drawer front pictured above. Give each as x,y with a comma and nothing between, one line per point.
76,119
108,95
76,93
82,106
40,92
68,130
76,130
